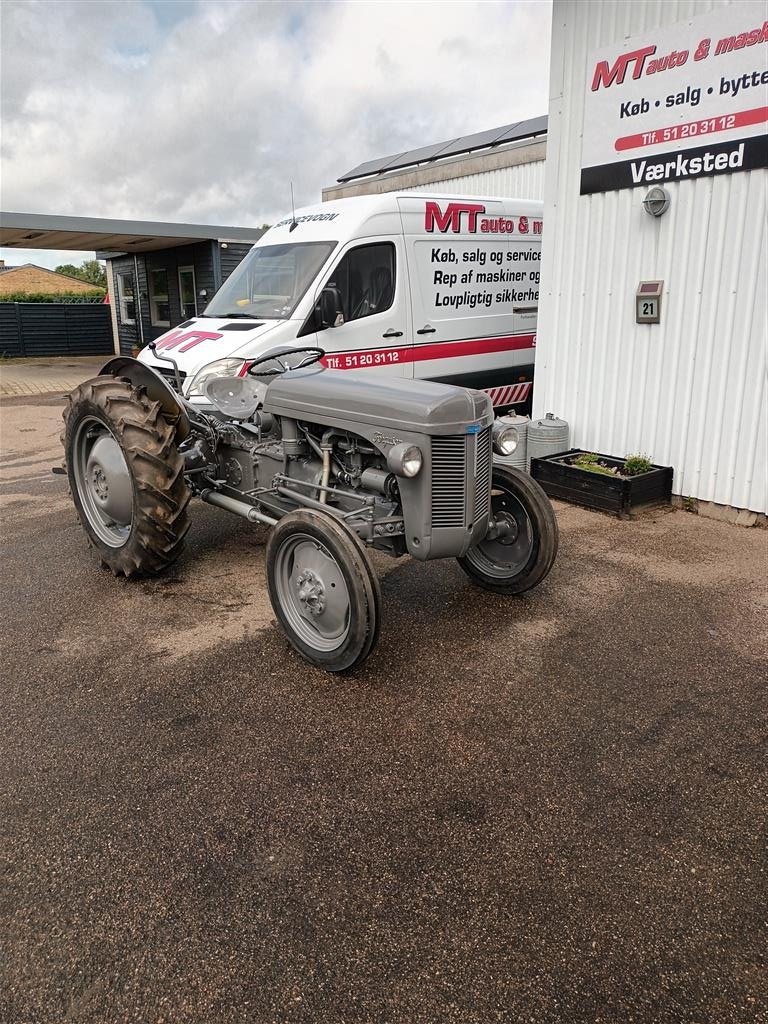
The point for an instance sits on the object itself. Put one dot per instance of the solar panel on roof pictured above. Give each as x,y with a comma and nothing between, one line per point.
369,167
467,143
417,156
453,147
524,130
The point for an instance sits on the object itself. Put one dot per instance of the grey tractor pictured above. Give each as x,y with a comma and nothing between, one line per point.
335,462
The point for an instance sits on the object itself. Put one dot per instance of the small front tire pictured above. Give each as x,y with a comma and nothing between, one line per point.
523,551
323,589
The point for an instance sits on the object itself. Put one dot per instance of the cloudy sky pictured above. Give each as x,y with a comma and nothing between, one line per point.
204,110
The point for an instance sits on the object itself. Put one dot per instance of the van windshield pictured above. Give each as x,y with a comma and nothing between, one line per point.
270,281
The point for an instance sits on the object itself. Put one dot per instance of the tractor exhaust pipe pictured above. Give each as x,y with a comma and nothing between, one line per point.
240,508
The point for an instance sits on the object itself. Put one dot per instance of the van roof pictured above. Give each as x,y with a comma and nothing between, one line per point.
357,210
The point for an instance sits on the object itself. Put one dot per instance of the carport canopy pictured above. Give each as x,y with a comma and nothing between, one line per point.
110,237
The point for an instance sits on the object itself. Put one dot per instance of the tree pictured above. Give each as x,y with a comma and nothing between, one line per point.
89,270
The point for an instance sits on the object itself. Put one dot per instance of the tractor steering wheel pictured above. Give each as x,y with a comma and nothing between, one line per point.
282,361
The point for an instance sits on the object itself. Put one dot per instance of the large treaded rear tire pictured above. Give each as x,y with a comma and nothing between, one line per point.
160,495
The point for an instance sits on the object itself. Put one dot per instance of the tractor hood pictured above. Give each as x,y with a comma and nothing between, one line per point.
348,399
198,342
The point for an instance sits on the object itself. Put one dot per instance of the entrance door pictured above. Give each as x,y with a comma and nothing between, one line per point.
187,292
372,282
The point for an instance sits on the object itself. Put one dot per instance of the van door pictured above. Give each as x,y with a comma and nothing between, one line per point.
468,278
373,330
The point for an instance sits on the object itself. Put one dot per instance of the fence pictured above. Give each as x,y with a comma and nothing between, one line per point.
54,329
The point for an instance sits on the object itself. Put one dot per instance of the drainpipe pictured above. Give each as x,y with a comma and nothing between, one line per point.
113,300
216,264
138,297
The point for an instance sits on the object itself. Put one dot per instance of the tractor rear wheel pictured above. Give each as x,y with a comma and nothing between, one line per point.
520,549
126,476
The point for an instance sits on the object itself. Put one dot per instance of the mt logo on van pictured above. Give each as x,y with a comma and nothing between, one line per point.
451,218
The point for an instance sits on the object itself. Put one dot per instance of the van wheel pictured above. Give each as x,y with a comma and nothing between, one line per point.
520,548
323,589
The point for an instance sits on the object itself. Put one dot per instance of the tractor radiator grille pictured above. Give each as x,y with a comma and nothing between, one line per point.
449,481
483,463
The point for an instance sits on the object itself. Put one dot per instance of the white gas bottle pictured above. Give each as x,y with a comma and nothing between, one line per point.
519,456
547,436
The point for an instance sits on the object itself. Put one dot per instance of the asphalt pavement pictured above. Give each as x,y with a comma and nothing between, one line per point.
546,809
46,375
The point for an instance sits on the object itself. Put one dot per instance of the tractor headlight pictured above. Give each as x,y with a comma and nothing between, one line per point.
505,439
405,460
218,368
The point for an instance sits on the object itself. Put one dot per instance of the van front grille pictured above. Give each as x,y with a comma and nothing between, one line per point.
169,375
449,481
483,464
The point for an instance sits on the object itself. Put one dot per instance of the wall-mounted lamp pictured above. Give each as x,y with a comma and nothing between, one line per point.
656,201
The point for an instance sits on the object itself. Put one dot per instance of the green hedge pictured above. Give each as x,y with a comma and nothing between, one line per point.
71,298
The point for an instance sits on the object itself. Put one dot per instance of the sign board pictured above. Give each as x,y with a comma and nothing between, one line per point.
648,302
682,101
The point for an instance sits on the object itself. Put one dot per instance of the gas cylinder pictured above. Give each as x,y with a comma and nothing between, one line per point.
547,436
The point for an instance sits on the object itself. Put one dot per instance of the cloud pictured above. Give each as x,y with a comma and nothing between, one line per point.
50,258
205,111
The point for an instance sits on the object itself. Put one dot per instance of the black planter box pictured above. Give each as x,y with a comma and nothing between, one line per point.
612,494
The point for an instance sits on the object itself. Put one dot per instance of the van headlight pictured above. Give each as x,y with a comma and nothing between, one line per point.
218,368
505,439
405,460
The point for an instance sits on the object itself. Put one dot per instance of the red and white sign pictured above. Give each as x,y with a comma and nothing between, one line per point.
366,358
509,394
683,101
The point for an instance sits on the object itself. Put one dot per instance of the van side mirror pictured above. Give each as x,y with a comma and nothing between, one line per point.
329,311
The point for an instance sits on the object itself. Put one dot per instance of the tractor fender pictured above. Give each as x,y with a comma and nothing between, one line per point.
157,389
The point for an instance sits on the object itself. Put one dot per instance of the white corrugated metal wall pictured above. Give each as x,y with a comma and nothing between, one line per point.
691,392
523,181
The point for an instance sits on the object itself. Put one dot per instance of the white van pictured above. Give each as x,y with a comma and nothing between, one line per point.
438,287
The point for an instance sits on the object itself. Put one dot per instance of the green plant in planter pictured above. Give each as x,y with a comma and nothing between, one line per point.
634,465
591,462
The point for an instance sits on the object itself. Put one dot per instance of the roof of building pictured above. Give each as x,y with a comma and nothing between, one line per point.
491,139
46,231
57,274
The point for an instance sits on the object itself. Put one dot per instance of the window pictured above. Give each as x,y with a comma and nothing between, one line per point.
159,304
271,280
187,296
365,278
125,297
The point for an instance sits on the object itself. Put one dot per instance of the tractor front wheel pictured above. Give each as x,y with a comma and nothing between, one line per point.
323,589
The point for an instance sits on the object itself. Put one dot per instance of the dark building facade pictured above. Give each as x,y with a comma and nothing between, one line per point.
154,291
158,274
